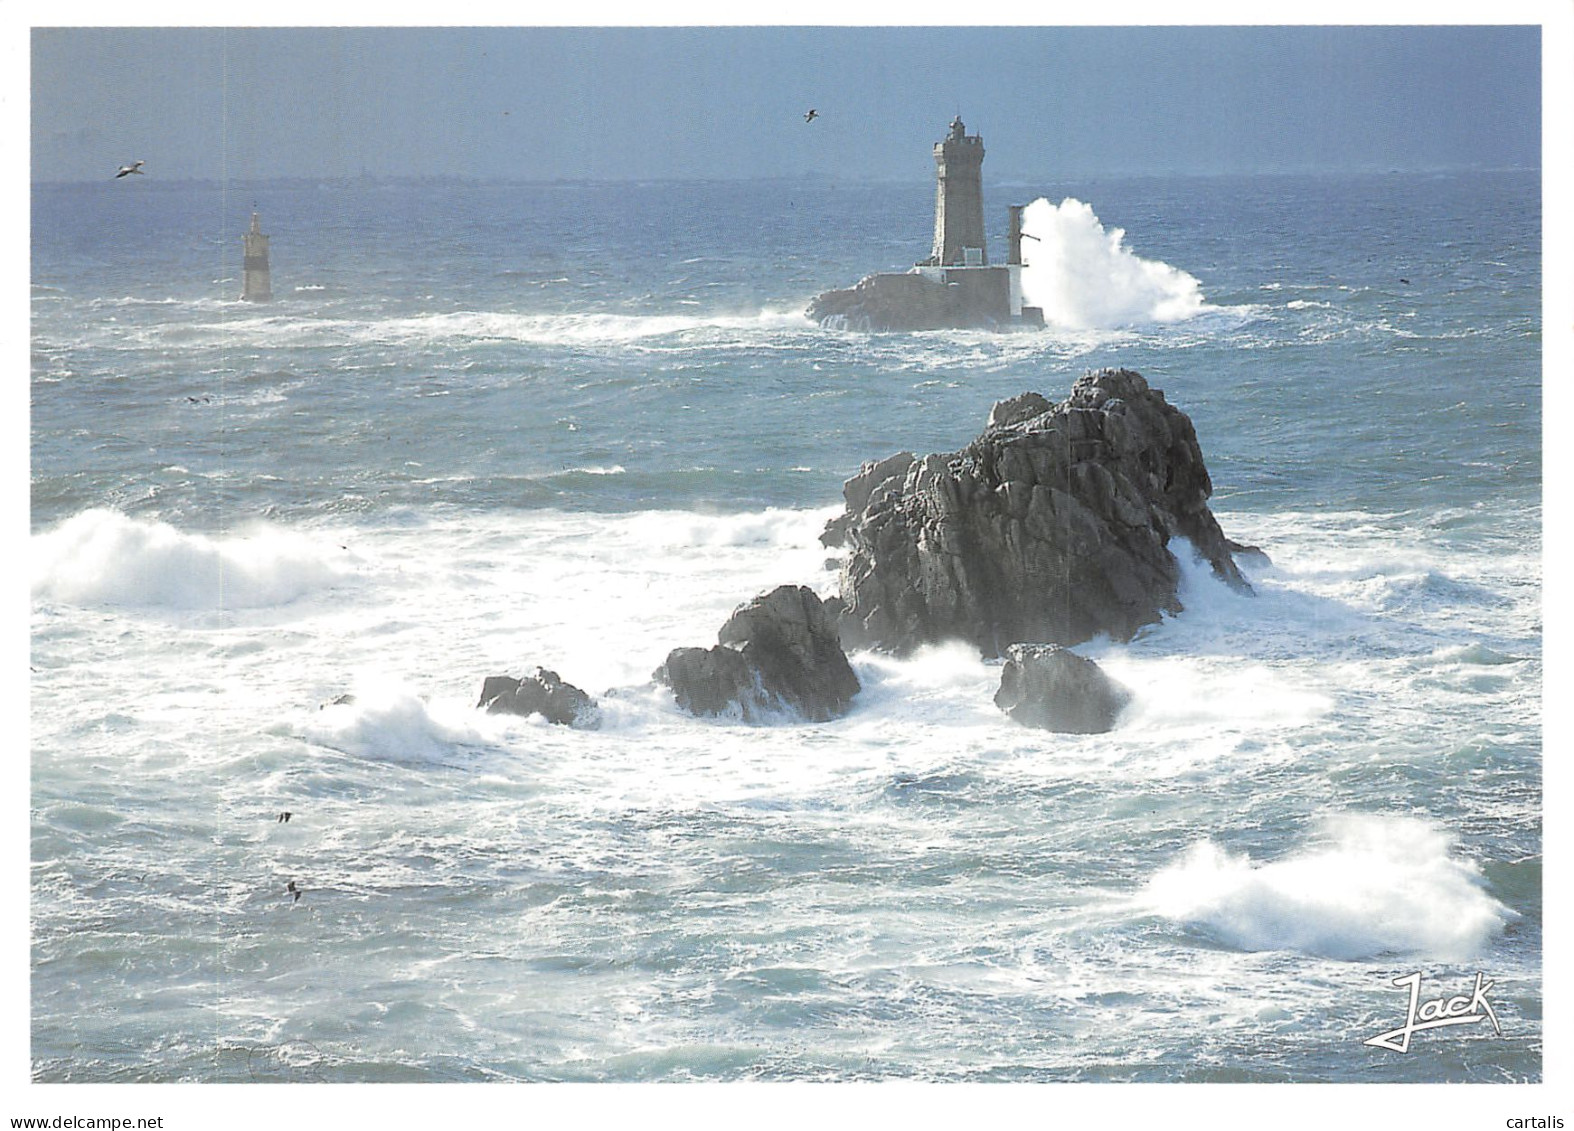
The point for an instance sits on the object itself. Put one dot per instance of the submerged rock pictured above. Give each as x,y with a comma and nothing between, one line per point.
779,653
541,693
1054,525
1044,685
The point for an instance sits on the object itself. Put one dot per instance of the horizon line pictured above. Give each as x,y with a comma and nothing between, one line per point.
1012,178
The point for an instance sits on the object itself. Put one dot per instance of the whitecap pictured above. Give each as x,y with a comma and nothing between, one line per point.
1367,885
104,557
392,723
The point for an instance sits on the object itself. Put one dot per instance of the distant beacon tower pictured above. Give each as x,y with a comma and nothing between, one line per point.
1014,235
258,285
959,200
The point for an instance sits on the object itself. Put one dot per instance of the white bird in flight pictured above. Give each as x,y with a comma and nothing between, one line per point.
811,115
134,167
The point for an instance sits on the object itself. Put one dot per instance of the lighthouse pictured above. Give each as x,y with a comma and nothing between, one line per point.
955,287
959,199
258,285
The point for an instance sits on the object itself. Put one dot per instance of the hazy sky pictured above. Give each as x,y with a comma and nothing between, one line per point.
636,103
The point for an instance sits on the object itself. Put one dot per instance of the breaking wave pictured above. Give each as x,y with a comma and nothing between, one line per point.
101,556
462,327
1084,278
393,724
1369,885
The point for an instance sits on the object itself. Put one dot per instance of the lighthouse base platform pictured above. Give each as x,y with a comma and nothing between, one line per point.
927,298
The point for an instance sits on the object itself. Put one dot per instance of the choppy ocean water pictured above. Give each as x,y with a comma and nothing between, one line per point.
489,426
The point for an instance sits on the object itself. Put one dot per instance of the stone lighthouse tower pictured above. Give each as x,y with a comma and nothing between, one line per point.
959,200
258,284
955,287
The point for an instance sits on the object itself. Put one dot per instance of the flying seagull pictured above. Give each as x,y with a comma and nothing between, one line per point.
134,167
284,819
809,117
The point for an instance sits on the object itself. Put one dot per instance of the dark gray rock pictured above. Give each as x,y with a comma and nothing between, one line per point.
541,693
1018,409
790,637
1044,685
712,681
780,653
1054,525
1252,554
857,491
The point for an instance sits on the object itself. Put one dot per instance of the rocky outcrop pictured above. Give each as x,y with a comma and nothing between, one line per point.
1055,525
778,654
1044,685
541,693
1252,554
713,681
912,302
858,490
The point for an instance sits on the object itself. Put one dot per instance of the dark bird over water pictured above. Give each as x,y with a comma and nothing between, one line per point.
284,817
134,167
291,889
1406,282
809,117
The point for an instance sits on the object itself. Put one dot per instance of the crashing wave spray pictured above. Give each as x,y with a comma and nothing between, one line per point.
1371,884
1082,277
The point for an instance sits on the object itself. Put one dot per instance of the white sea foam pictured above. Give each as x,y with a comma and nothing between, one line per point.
599,598
1084,278
936,683
1367,885
1177,692
458,327
394,723
772,527
103,557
